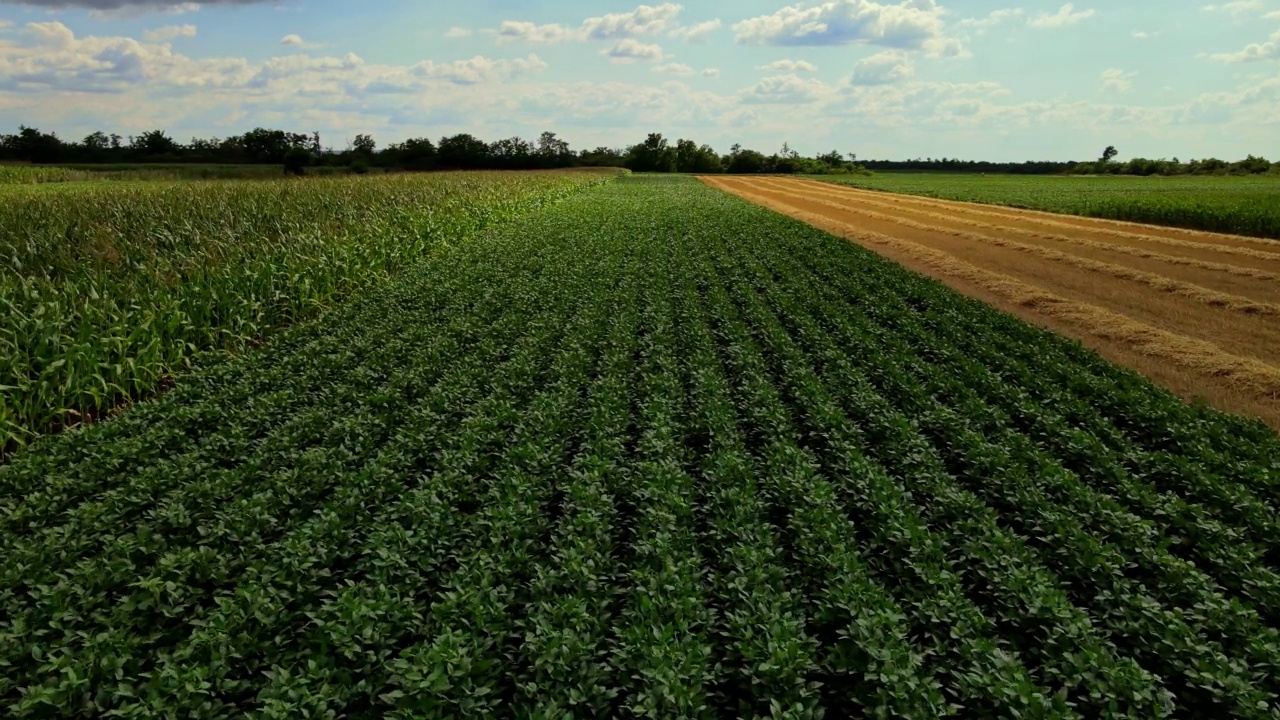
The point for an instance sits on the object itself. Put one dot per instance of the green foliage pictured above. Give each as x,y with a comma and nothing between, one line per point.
1243,206
108,290
650,452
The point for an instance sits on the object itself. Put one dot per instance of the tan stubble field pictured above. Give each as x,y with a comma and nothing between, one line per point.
1197,312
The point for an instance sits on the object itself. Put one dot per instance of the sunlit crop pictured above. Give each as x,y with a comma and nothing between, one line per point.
108,289
651,452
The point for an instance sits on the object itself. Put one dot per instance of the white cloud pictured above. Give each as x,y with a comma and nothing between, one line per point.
521,31
1066,15
479,69
1140,35
678,69
1273,15
1253,52
297,41
454,33
789,89
909,24
642,21
697,34
629,50
996,17
711,72
1117,81
1237,7
890,66
789,66
169,32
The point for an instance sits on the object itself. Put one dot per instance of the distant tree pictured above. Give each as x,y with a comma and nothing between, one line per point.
462,152
1109,154
747,162
97,141
652,155
552,151
412,154
602,157
364,146
297,159
153,143
515,153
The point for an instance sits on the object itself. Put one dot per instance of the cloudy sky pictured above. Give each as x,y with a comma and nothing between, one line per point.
985,79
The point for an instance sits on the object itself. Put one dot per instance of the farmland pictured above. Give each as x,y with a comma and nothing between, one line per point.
651,451
1198,312
108,289
1240,205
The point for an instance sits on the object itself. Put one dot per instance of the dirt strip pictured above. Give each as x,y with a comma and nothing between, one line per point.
1209,330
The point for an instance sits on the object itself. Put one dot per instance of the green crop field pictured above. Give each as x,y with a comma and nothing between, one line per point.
1239,205
107,289
647,452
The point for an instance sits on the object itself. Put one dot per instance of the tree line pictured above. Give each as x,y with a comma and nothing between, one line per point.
1105,165
298,151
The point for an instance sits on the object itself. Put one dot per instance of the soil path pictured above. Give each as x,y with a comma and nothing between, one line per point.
1197,312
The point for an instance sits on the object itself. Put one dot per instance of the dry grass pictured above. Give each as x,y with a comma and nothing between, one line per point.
1074,221
1208,247
1207,296
1190,354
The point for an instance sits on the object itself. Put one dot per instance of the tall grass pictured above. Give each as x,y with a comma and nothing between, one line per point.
107,290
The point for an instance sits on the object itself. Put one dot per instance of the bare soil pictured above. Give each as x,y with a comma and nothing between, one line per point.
1198,313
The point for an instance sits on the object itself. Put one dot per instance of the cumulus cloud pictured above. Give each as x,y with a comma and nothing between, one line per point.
996,17
1253,52
697,34
789,66
169,32
887,67
677,69
298,42
1067,15
910,24
1237,7
521,31
642,21
51,58
1116,80
711,72
629,50
454,33
790,89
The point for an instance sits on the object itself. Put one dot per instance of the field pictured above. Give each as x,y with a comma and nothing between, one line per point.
1198,312
651,451
37,174
108,289
1241,205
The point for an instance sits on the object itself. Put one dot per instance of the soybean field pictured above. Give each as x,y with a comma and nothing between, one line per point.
649,451
1240,205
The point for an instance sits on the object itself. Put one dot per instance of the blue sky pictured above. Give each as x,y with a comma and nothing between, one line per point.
984,79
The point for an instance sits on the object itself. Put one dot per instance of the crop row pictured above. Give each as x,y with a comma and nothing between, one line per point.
107,291
651,452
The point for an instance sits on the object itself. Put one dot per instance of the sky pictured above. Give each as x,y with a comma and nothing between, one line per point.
983,79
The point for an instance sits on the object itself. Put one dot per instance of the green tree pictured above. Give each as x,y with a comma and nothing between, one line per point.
655,154
364,146
1109,154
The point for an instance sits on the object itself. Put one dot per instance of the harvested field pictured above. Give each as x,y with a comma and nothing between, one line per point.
1197,312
